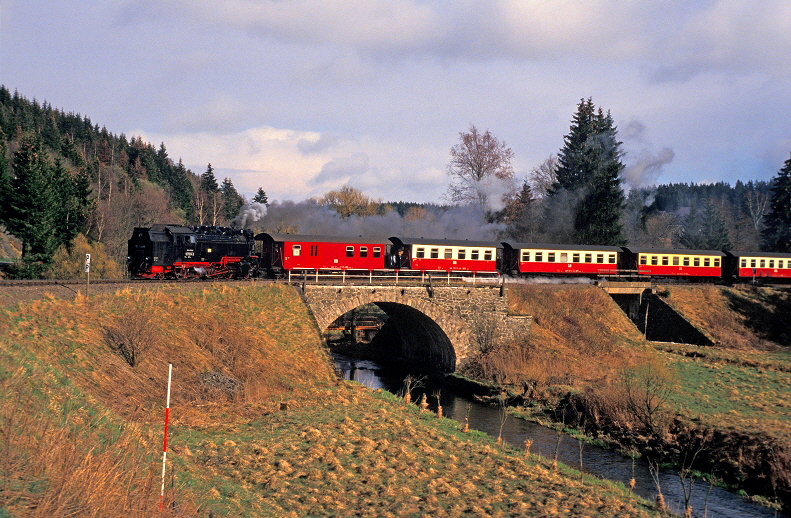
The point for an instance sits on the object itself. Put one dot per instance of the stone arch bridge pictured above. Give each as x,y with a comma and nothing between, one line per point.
435,328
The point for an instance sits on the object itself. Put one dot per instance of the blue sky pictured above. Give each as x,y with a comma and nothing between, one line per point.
301,97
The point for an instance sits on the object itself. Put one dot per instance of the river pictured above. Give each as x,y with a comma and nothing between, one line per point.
597,461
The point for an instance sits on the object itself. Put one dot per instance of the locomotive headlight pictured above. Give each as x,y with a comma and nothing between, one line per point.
208,250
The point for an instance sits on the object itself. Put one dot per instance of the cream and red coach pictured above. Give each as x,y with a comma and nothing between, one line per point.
445,255
551,259
659,262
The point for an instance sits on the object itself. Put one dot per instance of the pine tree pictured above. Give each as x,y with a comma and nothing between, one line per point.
589,172
776,236
260,197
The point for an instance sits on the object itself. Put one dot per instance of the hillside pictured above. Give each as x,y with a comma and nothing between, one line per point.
259,424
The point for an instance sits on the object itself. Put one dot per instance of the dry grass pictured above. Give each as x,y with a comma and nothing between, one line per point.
351,452
80,426
579,336
748,318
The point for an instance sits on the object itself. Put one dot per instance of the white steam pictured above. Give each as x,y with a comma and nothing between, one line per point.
249,213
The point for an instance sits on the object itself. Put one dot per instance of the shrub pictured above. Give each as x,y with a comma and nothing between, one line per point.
131,337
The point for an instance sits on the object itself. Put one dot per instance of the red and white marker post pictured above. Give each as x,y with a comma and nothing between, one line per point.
165,446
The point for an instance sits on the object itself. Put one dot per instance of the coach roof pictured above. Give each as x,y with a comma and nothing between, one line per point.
407,241
306,238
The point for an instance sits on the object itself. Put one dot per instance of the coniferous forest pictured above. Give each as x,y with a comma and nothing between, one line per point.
70,186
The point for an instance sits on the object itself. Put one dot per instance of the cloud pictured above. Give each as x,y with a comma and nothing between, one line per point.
342,169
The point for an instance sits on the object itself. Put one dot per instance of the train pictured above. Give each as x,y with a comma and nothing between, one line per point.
183,252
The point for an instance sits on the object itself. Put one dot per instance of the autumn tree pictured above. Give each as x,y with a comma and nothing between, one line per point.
480,170
348,201
589,173
776,236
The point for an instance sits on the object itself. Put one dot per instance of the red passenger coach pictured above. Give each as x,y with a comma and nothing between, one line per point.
289,252
426,255
530,258
657,262
762,265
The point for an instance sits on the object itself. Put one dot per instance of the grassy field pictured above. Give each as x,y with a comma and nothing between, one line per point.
259,424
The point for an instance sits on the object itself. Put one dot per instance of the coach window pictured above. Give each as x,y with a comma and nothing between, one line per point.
771,263
675,261
599,258
696,261
525,255
716,261
763,263
686,261
575,258
462,253
654,260
363,251
539,256
551,257
420,252
296,250
588,258
474,255
752,263
377,251
435,253
349,251
314,250
744,263
665,261
487,255
448,253
612,258
564,257
643,259
780,263
705,261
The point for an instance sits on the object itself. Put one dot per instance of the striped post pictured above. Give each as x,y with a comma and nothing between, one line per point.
165,445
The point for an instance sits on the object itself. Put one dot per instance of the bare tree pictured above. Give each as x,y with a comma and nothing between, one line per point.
647,387
480,168
543,176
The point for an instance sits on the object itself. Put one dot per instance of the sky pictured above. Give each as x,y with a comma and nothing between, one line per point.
300,97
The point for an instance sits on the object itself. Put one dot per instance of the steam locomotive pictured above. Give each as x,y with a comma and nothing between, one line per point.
175,251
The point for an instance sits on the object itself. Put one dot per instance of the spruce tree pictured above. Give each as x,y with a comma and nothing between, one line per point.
5,178
232,201
589,172
32,206
776,236
260,197
208,182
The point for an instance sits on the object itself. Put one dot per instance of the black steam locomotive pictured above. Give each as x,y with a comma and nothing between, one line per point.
179,252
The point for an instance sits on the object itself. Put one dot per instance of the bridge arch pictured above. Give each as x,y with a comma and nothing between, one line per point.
431,327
